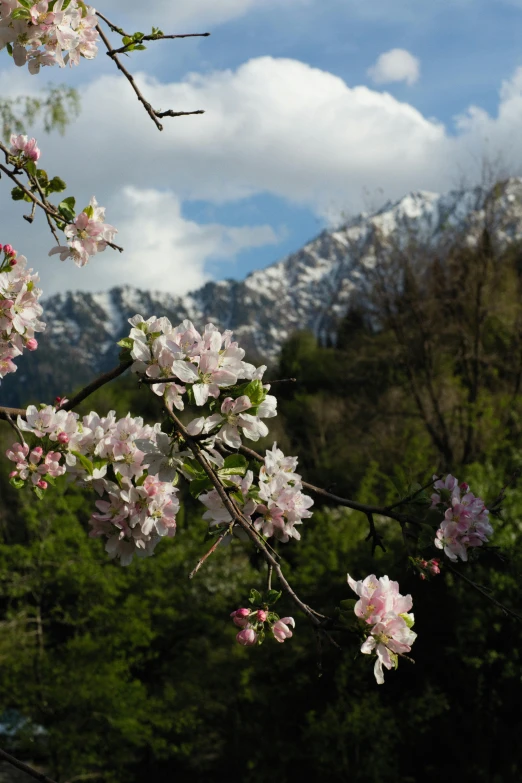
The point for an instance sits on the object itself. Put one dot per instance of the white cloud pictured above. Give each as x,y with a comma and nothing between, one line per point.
163,250
272,126
177,13
396,65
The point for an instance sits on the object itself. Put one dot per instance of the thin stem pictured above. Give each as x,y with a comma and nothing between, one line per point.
210,552
483,592
5,413
25,768
154,115
238,518
125,48
353,504
16,428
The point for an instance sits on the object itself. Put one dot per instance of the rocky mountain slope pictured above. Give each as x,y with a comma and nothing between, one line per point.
310,289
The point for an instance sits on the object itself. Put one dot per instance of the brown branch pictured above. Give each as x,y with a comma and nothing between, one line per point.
483,592
126,47
97,384
353,504
154,115
210,552
49,209
238,518
5,413
25,768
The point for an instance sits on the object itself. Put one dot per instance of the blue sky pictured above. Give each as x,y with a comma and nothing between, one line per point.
298,132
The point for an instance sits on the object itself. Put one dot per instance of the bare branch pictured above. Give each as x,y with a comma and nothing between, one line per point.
6,413
238,518
25,768
153,114
212,549
483,592
125,48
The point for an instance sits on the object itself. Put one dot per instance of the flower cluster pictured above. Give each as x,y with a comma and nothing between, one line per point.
386,611
19,309
87,235
35,465
275,503
466,519
48,33
136,506
252,624
426,568
206,362
24,149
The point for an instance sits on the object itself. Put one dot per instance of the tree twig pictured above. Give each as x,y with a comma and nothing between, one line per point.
483,592
154,115
210,552
25,768
5,413
125,48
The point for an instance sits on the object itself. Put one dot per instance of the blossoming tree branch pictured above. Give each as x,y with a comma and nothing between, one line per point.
134,469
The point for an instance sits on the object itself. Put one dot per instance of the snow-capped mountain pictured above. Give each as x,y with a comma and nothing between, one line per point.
310,289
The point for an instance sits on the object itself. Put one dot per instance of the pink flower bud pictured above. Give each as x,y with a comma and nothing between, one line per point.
32,344
63,437
247,637
13,261
423,563
1,248
281,629
13,474
464,487
422,576
261,615
37,451
8,250
42,484
240,617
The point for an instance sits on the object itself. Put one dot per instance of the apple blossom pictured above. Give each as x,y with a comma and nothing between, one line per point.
466,519
382,607
281,629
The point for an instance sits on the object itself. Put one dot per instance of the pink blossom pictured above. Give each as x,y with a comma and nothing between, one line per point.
240,617
247,637
21,145
281,629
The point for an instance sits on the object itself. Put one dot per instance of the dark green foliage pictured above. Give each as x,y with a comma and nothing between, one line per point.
133,674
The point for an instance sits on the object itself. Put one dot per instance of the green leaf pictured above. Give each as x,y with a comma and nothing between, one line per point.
193,468
17,194
20,13
38,492
126,342
84,462
272,596
126,40
348,604
16,482
255,597
30,167
66,208
56,185
89,211
235,465
199,485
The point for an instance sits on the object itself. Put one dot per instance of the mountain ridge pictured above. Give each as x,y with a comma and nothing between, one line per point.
309,289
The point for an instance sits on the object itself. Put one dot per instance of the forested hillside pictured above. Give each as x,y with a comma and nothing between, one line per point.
133,674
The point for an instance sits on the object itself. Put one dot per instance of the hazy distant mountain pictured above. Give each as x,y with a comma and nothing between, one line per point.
310,289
